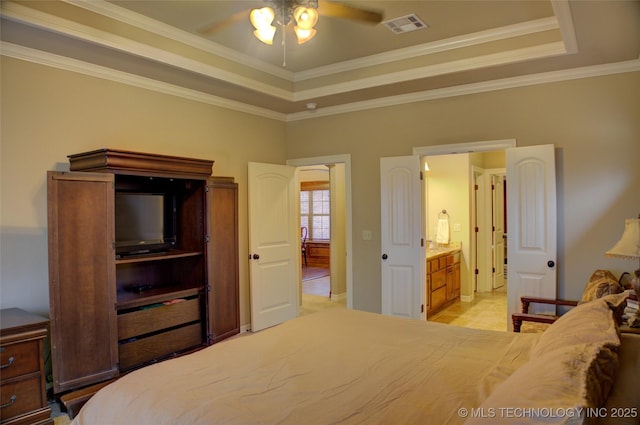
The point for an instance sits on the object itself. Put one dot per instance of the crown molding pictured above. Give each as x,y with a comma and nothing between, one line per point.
112,11
73,65
565,22
129,17
463,90
425,49
66,27
517,55
60,25
132,18
80,67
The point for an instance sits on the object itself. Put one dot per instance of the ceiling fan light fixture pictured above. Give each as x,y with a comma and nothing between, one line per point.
304,35
265,35
261,19
306,17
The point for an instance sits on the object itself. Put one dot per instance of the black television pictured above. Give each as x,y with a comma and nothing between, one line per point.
144,223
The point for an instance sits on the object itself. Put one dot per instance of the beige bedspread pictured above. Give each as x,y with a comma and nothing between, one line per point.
339,366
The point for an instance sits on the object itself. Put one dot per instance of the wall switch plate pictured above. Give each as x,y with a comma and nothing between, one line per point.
456,227
366,235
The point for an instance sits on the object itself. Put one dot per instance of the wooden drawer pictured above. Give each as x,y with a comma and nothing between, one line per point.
18,359
438,279
438,297
449,260
21,397
146,349
156,318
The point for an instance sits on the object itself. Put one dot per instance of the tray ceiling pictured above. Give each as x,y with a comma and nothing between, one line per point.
468,46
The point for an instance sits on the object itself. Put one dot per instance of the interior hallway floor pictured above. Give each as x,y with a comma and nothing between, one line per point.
316,291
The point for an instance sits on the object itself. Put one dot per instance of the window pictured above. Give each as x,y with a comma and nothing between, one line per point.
315,209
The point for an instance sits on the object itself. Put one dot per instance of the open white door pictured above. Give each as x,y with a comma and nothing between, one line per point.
403,277
497,183
274,244
531,224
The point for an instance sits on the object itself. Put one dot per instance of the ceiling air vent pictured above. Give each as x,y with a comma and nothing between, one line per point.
405,24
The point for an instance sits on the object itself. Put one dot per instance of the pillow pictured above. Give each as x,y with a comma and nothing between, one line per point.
601,283
554,388
591,322
617,303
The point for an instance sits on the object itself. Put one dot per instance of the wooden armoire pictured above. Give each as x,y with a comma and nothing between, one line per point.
119,304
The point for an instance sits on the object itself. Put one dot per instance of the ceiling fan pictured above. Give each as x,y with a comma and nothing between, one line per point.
304,13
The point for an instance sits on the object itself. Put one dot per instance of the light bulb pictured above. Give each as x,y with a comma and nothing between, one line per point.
306,17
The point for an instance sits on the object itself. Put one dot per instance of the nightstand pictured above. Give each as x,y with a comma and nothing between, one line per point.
23,398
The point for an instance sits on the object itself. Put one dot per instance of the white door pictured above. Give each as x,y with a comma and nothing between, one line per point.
497,184
403,277
531,224
274,244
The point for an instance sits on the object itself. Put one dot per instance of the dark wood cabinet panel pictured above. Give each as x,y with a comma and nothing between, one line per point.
224,297
81,277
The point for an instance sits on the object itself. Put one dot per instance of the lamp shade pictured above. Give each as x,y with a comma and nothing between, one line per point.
629,244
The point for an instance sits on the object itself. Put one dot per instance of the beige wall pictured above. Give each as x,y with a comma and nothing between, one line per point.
592,122
448,188
49,113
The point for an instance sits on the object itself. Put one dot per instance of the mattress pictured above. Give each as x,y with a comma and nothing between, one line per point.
338,366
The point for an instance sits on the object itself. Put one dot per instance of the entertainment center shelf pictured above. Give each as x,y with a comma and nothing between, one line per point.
157,256
143,263
129,300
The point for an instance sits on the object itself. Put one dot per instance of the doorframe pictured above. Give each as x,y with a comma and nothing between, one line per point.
456,148
346,160
485,262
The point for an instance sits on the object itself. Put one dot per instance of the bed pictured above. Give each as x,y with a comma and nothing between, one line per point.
352,367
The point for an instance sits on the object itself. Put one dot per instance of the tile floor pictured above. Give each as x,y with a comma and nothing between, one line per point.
488,310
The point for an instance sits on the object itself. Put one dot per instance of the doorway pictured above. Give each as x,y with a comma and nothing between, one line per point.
463,188
532,246
334,288
316,223
469,186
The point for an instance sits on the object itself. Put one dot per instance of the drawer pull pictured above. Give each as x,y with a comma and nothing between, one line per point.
12,400
11,360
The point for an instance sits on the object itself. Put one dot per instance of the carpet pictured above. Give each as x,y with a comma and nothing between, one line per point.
61,420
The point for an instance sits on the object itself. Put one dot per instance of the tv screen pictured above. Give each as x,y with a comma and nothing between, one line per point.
143,222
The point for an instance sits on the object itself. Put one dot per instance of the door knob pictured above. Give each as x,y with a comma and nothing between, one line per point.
385,256
551,263
256,257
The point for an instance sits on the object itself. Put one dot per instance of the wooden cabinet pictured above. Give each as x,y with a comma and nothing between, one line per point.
443,280
23,397
117,304
318,253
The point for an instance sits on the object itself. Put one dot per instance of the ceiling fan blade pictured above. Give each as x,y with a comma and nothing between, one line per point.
220,25
342,10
